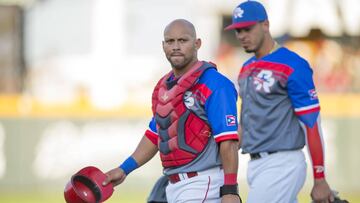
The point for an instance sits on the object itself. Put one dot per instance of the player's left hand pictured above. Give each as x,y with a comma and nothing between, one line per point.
321,192
230,199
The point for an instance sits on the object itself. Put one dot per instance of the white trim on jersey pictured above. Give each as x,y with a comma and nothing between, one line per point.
225,134
305,108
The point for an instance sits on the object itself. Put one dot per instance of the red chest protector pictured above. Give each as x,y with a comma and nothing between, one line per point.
182,134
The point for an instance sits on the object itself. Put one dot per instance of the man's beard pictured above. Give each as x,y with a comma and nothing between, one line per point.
256,48
249,51
252,50
179,65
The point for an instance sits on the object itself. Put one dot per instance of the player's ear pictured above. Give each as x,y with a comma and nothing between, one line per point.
163,45
266,25
198,43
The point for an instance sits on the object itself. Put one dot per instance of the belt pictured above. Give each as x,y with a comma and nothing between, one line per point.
174,178
254,156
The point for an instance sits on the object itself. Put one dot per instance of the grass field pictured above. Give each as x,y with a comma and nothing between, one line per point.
26,197
118,197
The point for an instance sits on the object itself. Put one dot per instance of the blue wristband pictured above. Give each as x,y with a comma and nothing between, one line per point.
129,165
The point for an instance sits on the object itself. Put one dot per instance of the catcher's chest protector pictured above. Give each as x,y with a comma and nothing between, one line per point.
182,134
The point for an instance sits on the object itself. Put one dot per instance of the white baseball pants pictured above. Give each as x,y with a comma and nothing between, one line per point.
276,178
205,187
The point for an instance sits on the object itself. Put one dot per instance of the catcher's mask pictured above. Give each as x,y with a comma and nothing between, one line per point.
86,187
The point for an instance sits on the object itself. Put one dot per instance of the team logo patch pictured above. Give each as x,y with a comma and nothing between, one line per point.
319,169
238,12
313,94
189,100
264,80
230,120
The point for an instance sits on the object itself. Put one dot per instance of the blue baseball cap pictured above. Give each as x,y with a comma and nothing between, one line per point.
246,14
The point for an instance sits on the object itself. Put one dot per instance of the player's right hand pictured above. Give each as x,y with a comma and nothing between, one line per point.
114,176
321,192
230,199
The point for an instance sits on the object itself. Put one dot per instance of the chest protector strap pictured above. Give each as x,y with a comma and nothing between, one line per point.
182,134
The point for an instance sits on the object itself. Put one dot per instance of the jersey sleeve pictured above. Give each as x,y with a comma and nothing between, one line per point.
222,112
306,106
303,95
151,132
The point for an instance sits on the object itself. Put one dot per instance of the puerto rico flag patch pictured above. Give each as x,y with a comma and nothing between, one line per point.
230,120
313,94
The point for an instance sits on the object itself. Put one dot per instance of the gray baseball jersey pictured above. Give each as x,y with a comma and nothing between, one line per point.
274,90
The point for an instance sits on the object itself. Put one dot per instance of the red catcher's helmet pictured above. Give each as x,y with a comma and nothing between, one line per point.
86,187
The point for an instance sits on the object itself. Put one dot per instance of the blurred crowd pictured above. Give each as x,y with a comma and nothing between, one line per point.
335,61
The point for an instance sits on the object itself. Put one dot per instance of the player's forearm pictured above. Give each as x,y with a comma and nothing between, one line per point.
229,158
145,151
316,150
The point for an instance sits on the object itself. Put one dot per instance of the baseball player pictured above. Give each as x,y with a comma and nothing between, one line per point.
279,114
192,128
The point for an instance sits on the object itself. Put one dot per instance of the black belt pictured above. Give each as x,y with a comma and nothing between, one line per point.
254,156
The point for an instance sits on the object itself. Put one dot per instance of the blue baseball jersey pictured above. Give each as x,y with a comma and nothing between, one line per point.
213,98
277,91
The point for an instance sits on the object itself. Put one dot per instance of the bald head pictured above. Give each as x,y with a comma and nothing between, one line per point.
181,45
183,25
